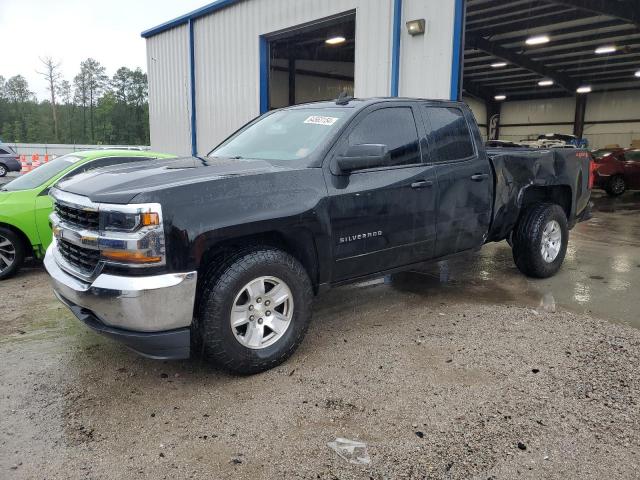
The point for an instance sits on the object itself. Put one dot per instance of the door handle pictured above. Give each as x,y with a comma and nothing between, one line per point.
478,177
421,184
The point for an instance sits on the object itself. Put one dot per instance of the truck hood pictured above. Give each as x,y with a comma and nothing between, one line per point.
121,183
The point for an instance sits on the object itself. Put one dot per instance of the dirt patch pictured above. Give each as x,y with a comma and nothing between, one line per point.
436,390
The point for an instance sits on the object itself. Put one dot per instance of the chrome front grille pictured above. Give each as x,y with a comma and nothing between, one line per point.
84,259
78,216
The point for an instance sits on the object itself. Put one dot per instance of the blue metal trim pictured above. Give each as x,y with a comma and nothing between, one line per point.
264,75
192,72
184,19
458,42
395,52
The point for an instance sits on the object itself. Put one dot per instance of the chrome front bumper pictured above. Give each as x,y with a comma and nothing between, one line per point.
131,305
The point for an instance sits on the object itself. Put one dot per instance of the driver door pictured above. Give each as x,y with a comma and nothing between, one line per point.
383,217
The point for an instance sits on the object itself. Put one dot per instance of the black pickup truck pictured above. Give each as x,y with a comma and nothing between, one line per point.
221,255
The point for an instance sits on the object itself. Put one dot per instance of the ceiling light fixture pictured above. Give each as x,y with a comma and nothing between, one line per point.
637,74
606,49
545,83
335,40
416,27
499,64
585,89
537,40
500,97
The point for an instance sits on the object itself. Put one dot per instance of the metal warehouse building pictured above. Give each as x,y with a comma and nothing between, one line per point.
212,70
527,68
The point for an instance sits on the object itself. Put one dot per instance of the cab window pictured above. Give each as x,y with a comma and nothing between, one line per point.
448,135
394,127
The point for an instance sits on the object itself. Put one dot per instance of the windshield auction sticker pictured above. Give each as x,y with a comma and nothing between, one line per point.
320,120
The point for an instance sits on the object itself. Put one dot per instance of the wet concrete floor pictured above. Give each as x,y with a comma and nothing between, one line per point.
600,275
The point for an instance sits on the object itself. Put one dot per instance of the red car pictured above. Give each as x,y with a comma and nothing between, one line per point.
617,170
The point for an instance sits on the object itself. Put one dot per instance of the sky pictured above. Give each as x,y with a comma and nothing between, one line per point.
70,31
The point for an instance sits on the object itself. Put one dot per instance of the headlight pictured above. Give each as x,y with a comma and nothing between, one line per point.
127,222
132,234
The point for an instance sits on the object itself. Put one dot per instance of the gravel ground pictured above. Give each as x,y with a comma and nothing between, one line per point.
436,390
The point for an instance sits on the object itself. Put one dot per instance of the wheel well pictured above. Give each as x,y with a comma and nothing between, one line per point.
28,249
559,194
299,244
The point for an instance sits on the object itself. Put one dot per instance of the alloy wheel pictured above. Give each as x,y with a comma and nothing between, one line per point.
617,186
261,312
551,241
7,253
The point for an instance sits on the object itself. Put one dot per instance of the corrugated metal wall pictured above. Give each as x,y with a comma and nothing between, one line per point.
227,56
609,118
169,90
227,61
425,60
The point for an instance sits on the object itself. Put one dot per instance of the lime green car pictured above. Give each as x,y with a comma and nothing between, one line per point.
25,204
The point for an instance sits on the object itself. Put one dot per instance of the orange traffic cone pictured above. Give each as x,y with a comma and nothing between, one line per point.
35,161
24,165
46,158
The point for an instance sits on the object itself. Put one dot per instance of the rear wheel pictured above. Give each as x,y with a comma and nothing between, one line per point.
3,170
11,253
616,186
540,240
253,311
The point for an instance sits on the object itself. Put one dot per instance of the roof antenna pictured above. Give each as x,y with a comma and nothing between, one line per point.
344,98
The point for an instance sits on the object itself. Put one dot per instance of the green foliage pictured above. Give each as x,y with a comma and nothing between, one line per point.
92,109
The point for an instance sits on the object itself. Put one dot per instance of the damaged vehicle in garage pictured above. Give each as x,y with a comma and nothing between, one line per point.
220,256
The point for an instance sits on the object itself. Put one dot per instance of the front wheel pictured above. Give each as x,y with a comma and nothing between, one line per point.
11,253
254,311
540,240
3,170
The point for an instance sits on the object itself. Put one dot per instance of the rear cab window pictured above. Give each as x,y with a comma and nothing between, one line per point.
448,134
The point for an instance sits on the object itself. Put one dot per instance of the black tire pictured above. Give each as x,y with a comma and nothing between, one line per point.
213,337
527,240
17,249
616,186
3,170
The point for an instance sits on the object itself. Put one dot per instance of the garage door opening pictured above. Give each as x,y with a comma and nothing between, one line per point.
311,63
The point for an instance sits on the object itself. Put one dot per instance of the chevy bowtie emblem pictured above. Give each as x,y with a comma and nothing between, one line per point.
360,236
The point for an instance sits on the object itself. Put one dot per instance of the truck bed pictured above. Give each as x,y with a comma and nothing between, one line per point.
517,170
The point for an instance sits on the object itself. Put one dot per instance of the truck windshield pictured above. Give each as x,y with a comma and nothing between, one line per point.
41,174
283,135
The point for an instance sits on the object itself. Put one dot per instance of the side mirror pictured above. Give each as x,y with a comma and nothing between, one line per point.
359,157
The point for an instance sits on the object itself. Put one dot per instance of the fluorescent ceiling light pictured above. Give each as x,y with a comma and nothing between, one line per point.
606,49
500,97
637,74
585,89
499,64
545,83
335,40
537,40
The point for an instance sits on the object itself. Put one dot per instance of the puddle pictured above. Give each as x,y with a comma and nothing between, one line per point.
598,275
